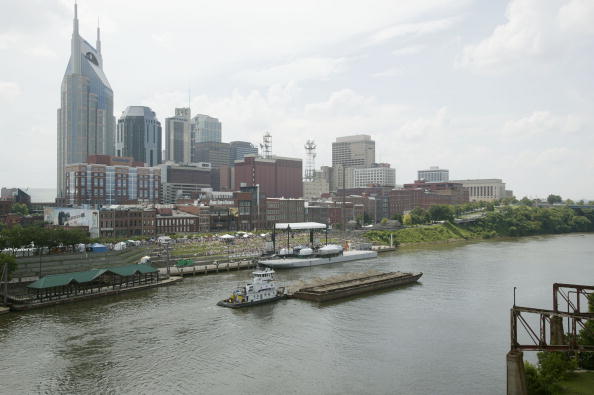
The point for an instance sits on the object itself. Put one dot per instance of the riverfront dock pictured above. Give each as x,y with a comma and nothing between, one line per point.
363,282
21,304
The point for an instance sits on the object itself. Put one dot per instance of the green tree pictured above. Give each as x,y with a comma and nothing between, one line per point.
552,199
20,208
534,383
419,216
441,212
10,262
526,202
407,219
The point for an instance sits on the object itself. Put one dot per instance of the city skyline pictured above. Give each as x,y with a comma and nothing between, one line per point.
487,91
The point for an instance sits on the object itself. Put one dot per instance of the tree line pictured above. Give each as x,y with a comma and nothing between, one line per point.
39,237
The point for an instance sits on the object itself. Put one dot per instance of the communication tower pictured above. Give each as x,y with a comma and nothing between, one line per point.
266,145
310,160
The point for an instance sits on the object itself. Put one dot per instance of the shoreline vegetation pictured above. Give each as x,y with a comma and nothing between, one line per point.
497,222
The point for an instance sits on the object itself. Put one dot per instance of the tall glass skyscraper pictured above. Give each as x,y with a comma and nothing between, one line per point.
138,135
86,123
206,129
178,137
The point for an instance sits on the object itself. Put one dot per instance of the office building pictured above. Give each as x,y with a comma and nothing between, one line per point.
178,137
433,174
380,175
217,154
86,123
407,199
486,190
183,181
206,129
276,176
353,151
106,180
239,149
138,135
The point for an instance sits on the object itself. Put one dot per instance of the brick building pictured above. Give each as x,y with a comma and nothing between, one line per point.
106,180
170,220
409,198
127,222
276,176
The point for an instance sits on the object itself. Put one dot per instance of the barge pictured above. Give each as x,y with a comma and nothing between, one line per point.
342,289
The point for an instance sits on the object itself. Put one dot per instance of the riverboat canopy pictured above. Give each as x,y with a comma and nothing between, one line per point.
59,280
300,225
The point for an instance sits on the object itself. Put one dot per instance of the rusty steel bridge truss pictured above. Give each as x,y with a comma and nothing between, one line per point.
550,322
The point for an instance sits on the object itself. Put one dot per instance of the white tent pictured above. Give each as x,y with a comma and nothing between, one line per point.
299,225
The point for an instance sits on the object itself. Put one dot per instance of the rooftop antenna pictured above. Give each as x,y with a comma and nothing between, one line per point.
266,145
310,160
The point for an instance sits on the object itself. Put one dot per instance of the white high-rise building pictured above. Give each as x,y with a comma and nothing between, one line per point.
206,129
381,175
178,137
353,151
86,123
433,174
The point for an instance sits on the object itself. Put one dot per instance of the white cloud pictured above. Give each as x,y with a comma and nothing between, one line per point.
412,29
577,16
541,123
528,31
392,72
534,29
9,90
310,68
409,50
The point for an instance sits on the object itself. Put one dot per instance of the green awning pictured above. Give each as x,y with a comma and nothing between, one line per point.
59,280
130,270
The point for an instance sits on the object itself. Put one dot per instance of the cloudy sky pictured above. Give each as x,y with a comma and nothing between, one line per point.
487,89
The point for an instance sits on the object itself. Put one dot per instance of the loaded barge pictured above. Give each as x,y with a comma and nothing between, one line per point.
365,283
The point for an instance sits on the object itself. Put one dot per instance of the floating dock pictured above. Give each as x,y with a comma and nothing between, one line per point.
289,263
364,283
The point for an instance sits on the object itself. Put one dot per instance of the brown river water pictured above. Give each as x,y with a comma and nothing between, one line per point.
446,335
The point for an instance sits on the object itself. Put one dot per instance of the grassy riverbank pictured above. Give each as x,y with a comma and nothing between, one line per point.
509,221
578,384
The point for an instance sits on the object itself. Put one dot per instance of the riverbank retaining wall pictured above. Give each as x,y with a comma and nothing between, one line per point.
30,267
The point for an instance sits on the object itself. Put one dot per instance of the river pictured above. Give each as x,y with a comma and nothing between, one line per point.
447,335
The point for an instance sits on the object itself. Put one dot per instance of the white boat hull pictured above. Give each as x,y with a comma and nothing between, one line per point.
290,263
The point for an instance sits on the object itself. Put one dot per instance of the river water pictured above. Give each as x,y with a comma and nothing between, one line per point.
447,335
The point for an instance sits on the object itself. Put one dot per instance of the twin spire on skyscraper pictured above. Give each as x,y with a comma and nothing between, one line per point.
75,50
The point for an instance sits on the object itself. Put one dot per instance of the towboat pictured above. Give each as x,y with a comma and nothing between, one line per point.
261,290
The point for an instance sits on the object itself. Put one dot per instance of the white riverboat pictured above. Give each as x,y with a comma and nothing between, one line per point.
261,290
317,259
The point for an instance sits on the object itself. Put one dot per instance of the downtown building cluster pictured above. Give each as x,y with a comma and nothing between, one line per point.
137,176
